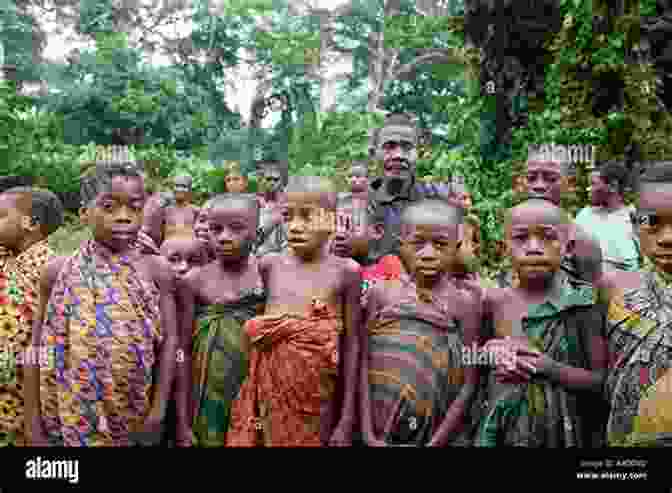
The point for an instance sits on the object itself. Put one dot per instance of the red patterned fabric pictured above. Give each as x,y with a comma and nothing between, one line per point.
291,380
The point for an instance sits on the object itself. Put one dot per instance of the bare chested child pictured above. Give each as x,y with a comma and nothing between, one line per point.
548,347
180,217
294,394
416,388
218,300
359,181
108,313
27,217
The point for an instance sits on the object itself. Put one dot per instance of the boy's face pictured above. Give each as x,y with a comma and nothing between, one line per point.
232,230
544,180
359,180
116,215
353,233
536,241
655,223
11,218
235,183
183,254
428,251
308,223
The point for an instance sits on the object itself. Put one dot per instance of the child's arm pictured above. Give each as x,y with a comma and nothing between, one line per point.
571,377
31,387
352,330
168,354
454,420
364,386
186,300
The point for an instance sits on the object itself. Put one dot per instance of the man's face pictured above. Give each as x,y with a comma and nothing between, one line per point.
599,190
544,180
272,180
397,146
655,224
536,241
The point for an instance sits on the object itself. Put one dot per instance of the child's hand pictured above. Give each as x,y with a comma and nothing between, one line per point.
36,436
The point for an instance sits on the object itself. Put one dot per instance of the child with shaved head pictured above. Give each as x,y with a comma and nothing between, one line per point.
417,388
218,300
548,348
301,386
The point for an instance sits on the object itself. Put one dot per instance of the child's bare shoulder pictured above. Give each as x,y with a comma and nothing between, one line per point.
347,265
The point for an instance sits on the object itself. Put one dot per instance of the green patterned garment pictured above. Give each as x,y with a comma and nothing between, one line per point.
640,371
220,364
541,414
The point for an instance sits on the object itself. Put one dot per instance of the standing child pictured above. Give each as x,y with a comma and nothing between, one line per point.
184,253
311,320
416,389
221,297
546,392
201,231
27,217
235,181
108,313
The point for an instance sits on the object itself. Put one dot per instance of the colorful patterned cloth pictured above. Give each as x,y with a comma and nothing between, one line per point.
19,293
541,414
640,374
291,381
415,370
103,323
388,268
220,364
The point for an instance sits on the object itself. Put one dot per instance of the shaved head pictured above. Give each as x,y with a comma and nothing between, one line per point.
432,212
552,214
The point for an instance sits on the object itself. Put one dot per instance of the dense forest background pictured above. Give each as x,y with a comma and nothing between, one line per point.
206,82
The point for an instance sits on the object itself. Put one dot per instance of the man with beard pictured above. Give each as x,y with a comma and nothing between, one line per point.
610,220
396,145
271,237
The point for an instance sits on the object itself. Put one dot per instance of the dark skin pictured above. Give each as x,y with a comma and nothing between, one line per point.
428,250
17,230
537,238
469,251
115,218
235,183
317,274
354,234
273,204
232,231
655,236
359,182
184,253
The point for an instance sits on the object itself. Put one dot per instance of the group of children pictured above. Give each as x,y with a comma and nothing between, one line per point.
322,344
